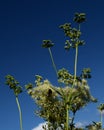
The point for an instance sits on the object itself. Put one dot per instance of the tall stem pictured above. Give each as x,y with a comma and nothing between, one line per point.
20,113
75,65
71,124
53,63
76,59
67,117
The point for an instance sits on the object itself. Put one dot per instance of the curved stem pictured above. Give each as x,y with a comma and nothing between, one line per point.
20,113
54,66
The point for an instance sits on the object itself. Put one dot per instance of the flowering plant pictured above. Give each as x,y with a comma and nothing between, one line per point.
58,105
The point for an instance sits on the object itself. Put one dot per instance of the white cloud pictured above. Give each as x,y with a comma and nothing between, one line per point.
81,124
39,127
78,125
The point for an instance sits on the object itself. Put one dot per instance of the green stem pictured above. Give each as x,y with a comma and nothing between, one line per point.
76,59
67,117
53,63
79,27
75,65
20,113
72,122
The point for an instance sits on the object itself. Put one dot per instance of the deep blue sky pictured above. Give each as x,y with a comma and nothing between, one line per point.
23,26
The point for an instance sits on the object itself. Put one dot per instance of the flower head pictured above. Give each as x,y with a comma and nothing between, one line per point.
79,17
13,84
47,44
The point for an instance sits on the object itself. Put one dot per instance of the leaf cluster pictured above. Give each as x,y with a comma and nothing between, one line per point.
73,33
13,84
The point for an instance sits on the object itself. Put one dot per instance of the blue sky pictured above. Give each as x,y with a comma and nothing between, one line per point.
23,26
